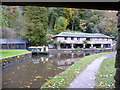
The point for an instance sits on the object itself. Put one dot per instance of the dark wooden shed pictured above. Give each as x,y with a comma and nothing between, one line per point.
14,43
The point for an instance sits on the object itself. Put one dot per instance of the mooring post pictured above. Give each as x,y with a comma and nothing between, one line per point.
117,63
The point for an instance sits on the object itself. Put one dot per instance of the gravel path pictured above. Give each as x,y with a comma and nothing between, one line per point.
86,79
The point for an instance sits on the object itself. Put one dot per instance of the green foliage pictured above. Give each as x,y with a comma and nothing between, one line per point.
61,24
55,20
85,41
8,16
108,25
36,21
52,15
68,13
84,20
77,48
114,32
12,18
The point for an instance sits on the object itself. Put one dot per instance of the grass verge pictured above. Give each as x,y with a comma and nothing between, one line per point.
11,52
62,80
105,76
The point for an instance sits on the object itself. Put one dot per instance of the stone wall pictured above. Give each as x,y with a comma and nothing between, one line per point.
117,63
55,51
8,61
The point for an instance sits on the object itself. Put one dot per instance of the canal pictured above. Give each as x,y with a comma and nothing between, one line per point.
37,70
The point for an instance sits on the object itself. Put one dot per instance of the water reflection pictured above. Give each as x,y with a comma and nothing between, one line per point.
36,71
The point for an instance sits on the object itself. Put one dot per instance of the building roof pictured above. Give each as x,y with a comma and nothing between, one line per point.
89,35
13,41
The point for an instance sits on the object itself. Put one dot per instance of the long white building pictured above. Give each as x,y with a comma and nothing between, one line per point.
67,40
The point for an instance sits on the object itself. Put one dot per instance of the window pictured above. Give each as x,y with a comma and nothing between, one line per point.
72,38
65,38
88,39
78,38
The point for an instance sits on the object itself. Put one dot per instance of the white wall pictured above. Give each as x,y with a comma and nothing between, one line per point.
80,41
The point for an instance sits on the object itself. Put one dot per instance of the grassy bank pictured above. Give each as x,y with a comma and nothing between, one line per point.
104,78
63,79
11,52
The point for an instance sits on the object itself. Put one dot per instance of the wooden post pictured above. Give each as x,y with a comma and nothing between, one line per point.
117,63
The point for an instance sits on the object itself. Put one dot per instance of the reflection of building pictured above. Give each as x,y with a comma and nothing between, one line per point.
14,43
66,40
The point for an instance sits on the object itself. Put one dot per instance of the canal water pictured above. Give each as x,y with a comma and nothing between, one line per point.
37,70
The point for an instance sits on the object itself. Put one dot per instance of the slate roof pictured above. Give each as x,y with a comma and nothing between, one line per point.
13,41
89,35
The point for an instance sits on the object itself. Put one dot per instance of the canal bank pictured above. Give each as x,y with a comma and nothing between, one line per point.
63,79
38,69
54,51
11,60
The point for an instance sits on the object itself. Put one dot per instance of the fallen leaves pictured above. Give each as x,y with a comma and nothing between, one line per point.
38,77
46,79
30,83
28,86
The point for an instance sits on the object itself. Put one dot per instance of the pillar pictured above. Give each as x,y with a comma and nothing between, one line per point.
58,46
72,55
72,46
117,63
101,45
91,46
83,45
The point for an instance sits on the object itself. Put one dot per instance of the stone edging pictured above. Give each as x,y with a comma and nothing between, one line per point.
8,61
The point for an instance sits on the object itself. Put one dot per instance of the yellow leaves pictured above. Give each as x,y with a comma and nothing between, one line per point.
46,79
49,68
38,77
105,85
66,20
49,36
27,86
57,29
30,83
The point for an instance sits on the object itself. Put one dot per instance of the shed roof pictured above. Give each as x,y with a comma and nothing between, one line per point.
69,34
13,41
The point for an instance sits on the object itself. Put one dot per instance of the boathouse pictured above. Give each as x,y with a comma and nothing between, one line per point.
13,43
68,40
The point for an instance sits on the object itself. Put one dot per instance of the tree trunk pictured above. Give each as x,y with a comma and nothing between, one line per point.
117,63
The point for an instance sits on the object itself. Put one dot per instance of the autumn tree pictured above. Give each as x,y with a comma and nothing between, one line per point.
61,24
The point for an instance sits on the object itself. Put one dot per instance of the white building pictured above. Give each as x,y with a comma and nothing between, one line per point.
67,40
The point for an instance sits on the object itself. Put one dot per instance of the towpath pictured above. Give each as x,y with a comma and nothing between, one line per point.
86,79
